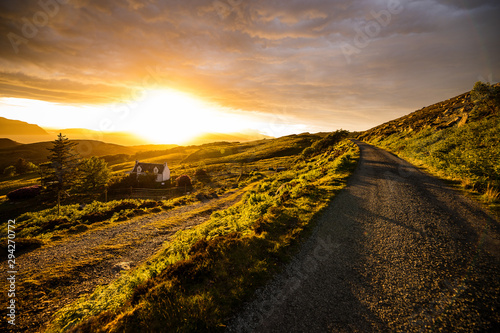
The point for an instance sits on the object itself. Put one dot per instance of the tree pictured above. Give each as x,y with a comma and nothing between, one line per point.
60,174
23,166
183,180
486,99
93,173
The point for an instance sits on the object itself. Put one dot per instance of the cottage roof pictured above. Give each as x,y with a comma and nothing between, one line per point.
148,167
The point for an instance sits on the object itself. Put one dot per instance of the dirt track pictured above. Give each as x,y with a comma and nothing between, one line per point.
96,253
397,250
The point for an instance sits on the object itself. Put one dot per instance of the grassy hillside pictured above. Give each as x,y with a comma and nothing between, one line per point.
450,141
254,150
206,273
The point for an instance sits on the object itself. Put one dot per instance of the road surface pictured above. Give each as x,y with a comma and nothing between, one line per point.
396,250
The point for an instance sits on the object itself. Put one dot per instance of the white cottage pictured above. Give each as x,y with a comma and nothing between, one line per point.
161,171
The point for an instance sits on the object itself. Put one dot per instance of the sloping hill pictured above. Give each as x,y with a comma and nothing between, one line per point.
21,131
10,127
8,143
254,150
450,141
452,112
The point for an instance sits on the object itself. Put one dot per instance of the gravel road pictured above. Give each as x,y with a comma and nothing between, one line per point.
397,250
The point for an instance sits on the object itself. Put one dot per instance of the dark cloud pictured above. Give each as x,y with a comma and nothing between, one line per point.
253,55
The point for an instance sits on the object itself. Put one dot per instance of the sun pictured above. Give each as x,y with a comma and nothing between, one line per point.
169,116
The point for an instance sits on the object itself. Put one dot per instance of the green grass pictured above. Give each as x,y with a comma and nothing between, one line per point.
469,154
47,224
205,274
8,184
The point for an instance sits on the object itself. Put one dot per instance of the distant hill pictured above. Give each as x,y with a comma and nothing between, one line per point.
22,131
253,150
37,152
26,133
119,138
16,127
153,147
227,137
8,143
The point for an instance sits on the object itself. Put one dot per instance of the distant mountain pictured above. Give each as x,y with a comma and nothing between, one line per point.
27,133
16,127
119,138
244,136
22,131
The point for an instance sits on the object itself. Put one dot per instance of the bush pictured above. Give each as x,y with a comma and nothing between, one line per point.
9,171
183,180
200,173
22,166
486,99
24,193
307,152
121,181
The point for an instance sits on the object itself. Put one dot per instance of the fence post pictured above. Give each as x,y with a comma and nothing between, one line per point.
58,203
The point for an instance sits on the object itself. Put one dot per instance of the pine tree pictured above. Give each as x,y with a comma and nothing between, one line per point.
59,175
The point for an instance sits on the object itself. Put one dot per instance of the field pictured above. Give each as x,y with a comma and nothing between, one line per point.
207,270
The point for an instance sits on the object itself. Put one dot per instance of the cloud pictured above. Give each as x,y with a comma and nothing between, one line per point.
257,56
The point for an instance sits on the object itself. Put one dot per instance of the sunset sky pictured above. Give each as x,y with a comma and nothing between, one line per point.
167,70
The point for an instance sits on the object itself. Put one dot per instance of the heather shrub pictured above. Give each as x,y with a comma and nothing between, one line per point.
202,175
183,180
24,193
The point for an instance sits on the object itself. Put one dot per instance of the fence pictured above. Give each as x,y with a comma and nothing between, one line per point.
147,193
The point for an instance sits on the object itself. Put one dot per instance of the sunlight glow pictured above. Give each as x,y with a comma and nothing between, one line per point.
159,116
171,116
